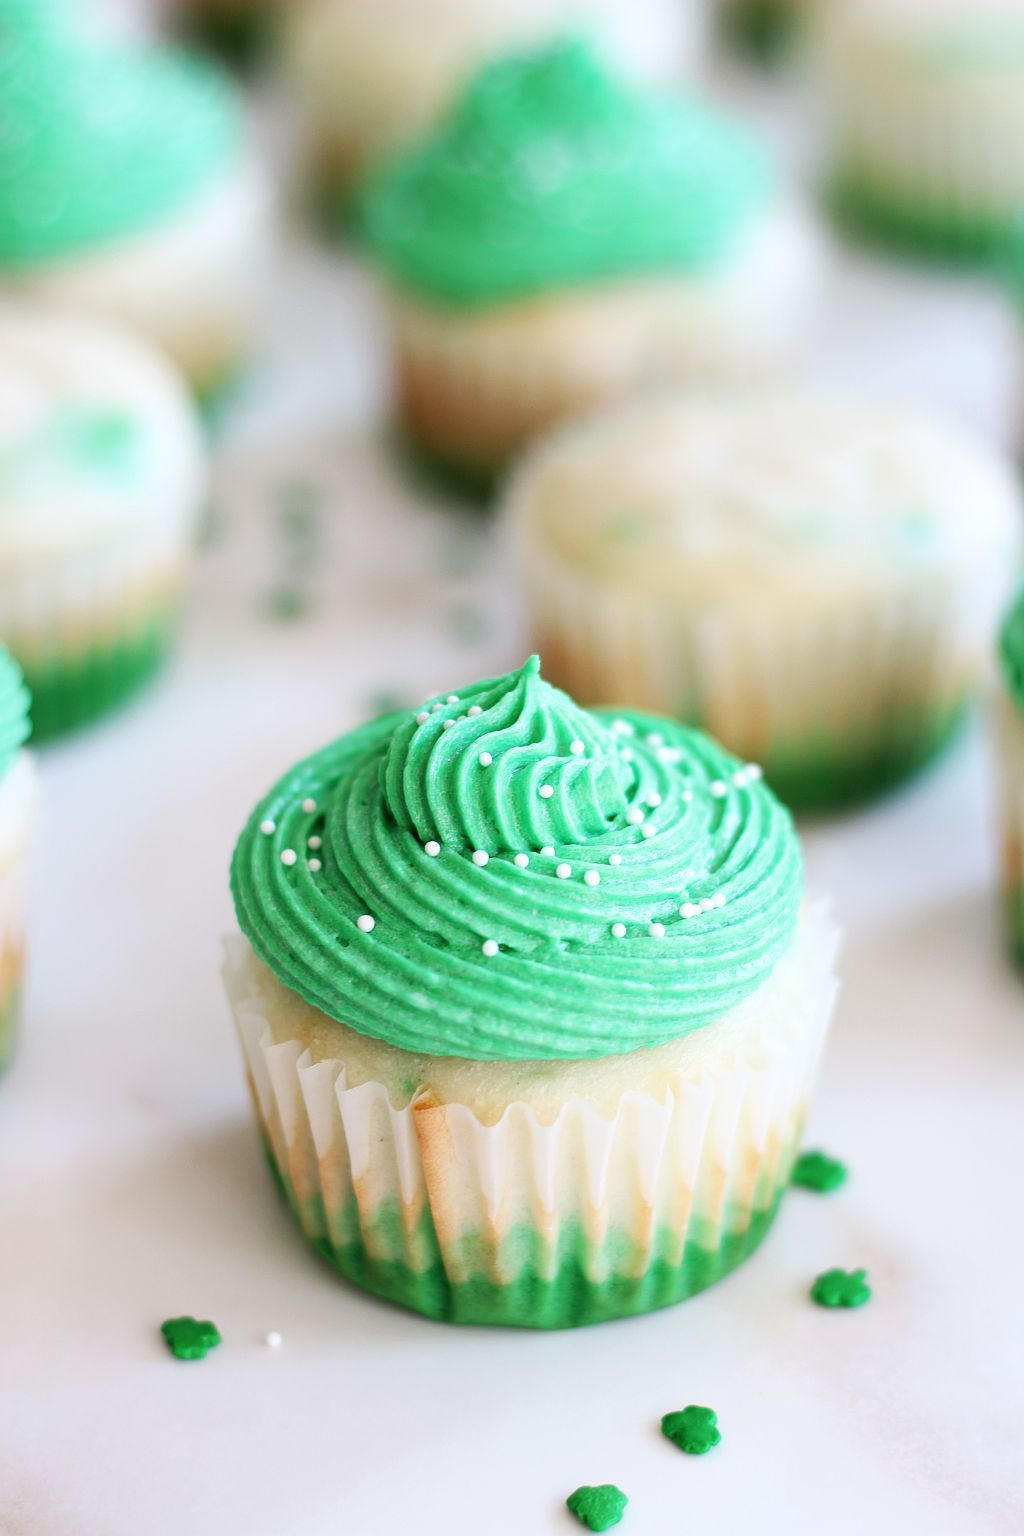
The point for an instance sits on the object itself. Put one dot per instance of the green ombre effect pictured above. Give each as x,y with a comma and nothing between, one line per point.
69,692
99,140
546,1288
562,984
551,172
14,707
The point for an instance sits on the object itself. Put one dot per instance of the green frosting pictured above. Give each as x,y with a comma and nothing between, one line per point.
818,1171
841,1288
98,140
14,707
1011,649
551,172
598,1508
694,1430
504,875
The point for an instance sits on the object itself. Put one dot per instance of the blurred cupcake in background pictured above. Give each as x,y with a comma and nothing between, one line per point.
813,580
531,1003
370,76
239,30
127,188
766,31
1010,733
564,239
924,109
102,476
17,809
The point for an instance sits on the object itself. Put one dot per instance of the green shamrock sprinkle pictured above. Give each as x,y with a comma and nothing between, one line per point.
841,1288
598,1508
694,1430
188,1339
818,1171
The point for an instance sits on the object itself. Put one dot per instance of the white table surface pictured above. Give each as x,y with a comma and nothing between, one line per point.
132,1186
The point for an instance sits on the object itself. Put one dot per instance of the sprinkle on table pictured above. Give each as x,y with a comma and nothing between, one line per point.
598,1508
841,1288
693,1429
816,1170
189,1339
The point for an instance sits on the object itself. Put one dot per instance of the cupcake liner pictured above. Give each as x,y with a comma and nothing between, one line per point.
541,1224
17,810
1010,759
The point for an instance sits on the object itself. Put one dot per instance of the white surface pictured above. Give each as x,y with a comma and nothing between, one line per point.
132,1187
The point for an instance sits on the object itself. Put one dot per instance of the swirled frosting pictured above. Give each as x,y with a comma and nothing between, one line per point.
550,172
98,140
1011,649
14,706
504,875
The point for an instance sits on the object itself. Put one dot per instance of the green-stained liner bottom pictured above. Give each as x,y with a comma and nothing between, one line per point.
553,1291
68,693
924,231
8,1026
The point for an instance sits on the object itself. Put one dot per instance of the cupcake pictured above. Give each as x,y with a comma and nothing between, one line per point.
126,188
563,239
17,805
370,76
531,1004
102,475
813,579
924,101
1010,730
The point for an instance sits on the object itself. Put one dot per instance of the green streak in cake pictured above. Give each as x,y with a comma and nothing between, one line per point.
819,1172
551,172
422,817
99,140
841,1288
1011,650
14,707
598,1508
69,691
693,1429
187,1338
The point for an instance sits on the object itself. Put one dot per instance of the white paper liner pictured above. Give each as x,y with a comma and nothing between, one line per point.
696,1164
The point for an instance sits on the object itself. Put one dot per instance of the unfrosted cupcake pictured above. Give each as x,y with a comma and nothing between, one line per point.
530,1004
564,239
102,475
17,807
815,580
370,76
925,107
126,188
1010,728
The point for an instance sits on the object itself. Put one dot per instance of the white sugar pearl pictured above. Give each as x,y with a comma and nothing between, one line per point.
314,842
647,830
288,856
546,791
687,795
485,759
309,804
615,858
576,748
707,904
366,924
635,816
627,754
655,739
452,698
653,801
490,948
422,717
315,866
548,851
718,788
433,848
474,709
521,860
618,930
592,877
656,930
272,1339
754,772
435,706
268,826
480,857
689,909
448,725
719,899
623,727
563,871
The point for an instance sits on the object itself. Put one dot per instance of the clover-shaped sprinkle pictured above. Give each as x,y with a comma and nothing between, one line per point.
818,1171
841,1288
598,1508
694,1430
189,1339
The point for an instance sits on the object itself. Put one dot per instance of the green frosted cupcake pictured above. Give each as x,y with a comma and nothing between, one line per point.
1010,725
530,1003
17,807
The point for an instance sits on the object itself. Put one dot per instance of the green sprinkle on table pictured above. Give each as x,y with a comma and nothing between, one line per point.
598,1508
841,1288
189,1339
693,1429
818,1171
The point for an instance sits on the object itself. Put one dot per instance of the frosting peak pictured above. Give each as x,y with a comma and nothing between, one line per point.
550,171
502,874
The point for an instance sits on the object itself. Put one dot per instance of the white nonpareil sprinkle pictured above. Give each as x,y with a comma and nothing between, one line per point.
546,791
548,851
422,717
521,860
689,909
314,841
592,877
486,759
272,1339
719,899
576,748
627,754
448,724
655,739
707,904
615,858
670,754
480,857
435,706
288,856
563,871
474,709
634,816
315,866
433,848
452,698
718,788
653,801
687,795
618,930
623,728
656,930
648,830
268,826
366,924
754,772
490,948
309,804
